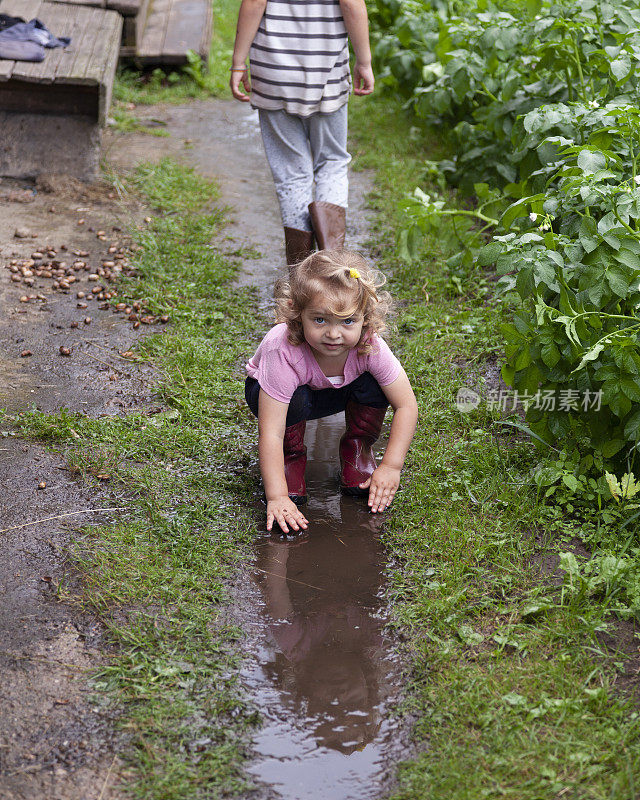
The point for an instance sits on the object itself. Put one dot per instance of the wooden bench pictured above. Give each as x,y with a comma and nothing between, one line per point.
157,32
134,18
52,112
174,27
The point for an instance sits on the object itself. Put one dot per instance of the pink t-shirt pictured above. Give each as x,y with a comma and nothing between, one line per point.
280,368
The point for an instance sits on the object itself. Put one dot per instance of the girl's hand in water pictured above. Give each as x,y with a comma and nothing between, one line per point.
382,485
285,513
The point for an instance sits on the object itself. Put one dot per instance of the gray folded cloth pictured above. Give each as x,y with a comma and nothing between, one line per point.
21,51
25,41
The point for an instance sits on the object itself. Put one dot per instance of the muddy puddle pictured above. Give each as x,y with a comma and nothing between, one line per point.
324,678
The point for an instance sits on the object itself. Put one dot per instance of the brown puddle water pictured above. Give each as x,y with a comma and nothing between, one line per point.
325,676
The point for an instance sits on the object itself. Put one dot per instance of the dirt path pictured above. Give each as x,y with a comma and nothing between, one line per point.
56,742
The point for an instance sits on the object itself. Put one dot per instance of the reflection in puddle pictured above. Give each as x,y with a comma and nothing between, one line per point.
325,675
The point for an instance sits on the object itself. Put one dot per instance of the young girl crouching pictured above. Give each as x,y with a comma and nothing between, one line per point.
326,356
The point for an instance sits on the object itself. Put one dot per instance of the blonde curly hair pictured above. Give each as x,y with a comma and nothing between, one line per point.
348,286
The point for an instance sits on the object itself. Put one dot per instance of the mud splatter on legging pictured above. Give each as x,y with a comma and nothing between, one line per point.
302,151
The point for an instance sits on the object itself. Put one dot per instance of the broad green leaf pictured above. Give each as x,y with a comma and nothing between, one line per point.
550,354
629,487
532,610
620,405
570,481
597,292
510,332
523,359
402,248
514,699
623,356
613,446
607,223
508,374
569,563
591,161
632,427
631,388
588,233
489,254
590,355
469,636
614,486
618,281
545,273
518,209
621,68
627,258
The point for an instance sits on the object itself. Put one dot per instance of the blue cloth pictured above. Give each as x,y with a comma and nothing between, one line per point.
26,41
309,403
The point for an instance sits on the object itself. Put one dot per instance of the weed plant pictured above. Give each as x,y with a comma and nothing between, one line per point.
540,99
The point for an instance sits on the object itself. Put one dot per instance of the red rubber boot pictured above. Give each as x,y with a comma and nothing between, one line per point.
295,461
357,461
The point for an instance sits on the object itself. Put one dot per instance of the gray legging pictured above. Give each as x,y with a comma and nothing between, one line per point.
304,150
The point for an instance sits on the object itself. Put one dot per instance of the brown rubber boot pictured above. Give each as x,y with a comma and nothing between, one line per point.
328,222
298,245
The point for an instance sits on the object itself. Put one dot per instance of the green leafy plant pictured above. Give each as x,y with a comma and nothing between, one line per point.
542,99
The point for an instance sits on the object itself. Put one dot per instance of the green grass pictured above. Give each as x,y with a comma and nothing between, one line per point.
157,577
513,693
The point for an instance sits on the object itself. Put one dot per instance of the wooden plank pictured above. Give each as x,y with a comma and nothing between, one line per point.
109,71
186,26
42,98
184,30
155,30
141,22
207,34
77,80
74,71
90,3
107,44
128,8
27,9
6,68
86,22
61,20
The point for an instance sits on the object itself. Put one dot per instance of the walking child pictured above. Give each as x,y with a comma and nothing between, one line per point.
324,356
300,83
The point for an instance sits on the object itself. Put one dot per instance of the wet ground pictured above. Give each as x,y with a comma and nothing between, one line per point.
323,672
55,741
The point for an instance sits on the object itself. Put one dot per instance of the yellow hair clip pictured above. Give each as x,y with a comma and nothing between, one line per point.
353,273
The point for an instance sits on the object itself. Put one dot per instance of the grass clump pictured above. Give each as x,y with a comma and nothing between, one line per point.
157,576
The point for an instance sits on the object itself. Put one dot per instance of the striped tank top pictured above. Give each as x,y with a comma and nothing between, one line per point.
299,58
